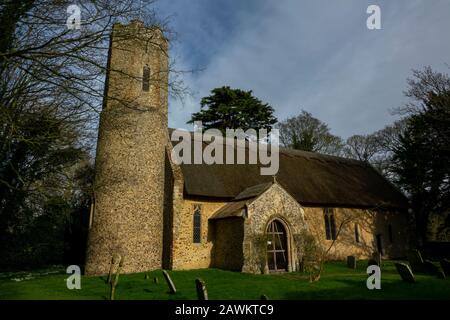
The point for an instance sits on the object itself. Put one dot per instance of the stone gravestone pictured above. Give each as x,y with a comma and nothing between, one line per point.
372,262
432,269
415,260
377,257
405,272
351,262
445,265
202,293
264,297
172,288
155,280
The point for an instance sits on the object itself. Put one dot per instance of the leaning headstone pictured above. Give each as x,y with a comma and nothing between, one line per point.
155,280
445,265
441,274
415,260
202,293
405,272
264,297
430,268
146,277
351,262
433,269
169,281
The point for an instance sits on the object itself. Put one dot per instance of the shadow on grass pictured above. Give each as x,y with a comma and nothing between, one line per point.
357,290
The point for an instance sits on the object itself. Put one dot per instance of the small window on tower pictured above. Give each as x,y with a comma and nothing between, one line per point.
91,213
197,232
146,79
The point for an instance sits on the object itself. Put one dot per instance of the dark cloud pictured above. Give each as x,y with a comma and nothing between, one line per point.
315,55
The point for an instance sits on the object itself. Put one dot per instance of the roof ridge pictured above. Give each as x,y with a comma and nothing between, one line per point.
253,191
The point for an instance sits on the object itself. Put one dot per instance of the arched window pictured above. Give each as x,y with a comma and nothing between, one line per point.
146,78
379,238
357,233
197,224
277,255
327,226
330,224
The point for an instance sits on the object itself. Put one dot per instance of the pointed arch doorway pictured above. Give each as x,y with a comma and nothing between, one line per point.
277,246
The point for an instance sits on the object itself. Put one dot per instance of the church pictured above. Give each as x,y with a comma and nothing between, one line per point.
159,214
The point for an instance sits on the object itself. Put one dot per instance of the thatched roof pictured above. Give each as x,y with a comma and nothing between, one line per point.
253,191
311,178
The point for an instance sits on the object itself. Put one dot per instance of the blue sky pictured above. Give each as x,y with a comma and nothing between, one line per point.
316,55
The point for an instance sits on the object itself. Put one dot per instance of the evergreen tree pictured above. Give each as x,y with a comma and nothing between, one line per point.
233,109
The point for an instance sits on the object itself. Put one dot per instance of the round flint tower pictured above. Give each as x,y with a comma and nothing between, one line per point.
129,182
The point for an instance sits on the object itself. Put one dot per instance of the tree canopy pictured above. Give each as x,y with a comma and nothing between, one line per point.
422,157
307,133
234,109
51,91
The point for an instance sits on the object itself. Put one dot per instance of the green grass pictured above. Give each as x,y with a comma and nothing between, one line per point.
337,282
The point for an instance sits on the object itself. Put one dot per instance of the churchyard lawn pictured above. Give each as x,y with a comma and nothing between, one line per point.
337,282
